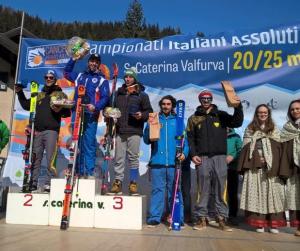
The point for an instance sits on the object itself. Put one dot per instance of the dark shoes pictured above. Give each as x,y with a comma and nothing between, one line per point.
116,188
152,224
223,225
200,224
133,188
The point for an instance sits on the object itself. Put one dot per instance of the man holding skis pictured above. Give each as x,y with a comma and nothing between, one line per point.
46,128
162,161
95,100
135,107
207,137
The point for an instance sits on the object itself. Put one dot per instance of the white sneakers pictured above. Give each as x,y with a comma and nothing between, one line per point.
272,230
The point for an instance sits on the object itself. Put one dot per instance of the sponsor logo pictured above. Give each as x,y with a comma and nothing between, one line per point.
46,56
35,57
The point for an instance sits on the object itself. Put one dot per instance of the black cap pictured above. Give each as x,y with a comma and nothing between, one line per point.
95,57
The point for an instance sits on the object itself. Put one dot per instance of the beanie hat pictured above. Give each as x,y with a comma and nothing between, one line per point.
205,93
51,72
131,72
95,57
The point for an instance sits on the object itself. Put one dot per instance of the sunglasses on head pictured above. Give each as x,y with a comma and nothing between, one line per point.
49,77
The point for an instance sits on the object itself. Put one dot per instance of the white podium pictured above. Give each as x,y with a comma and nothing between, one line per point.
88,209
120,212
26,208
82,206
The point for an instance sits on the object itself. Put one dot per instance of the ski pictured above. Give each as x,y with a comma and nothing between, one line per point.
29,131
70,172
111,114
175,223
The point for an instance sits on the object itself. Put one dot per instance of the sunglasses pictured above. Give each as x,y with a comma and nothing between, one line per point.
49,77
206,99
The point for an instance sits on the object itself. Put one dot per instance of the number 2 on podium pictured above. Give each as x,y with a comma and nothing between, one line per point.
26,203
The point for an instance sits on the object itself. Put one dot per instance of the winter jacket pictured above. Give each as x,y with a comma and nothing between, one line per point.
4,135
97,87
163,151
207,134
129,104
234,146
45,118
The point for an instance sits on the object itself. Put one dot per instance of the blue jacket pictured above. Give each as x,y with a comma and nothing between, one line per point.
163,151
97,87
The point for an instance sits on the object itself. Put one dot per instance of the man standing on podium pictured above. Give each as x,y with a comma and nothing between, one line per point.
135,107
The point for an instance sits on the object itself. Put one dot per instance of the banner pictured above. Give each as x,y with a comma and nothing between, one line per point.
263,66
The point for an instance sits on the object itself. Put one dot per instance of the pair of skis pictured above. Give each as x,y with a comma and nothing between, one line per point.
112,114
27,153
175,220
70,172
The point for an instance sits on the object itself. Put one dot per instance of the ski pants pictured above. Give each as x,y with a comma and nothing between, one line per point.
126,146
45,140
87,146
212,171
162,179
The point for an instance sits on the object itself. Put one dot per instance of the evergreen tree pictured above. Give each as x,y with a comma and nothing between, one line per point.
135,20
134,26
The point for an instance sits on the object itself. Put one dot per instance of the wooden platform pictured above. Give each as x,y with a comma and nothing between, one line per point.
46,238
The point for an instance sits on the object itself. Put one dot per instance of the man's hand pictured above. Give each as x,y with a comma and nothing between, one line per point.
137,115
197,160
229,158
56,108
181,157
91,107
18,88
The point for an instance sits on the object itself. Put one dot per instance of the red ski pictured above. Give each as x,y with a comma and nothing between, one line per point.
70,172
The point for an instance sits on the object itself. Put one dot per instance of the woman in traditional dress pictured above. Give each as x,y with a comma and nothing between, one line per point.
262,195
290,163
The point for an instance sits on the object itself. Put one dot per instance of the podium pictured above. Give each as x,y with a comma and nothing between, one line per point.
120,212
82,207
88,209
26,208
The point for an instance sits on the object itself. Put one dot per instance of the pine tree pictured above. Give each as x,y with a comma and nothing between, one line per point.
135,20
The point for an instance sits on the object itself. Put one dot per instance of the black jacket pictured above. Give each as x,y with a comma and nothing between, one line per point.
45,118
131,103
207,135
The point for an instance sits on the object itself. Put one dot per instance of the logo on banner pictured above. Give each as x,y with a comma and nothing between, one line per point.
35,57
45,56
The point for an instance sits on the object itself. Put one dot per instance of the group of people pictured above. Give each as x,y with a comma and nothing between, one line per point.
268,158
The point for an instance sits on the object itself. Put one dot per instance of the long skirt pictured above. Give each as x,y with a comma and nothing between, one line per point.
263,199
293,199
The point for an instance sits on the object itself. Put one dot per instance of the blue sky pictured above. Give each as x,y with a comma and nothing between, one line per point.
208,16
